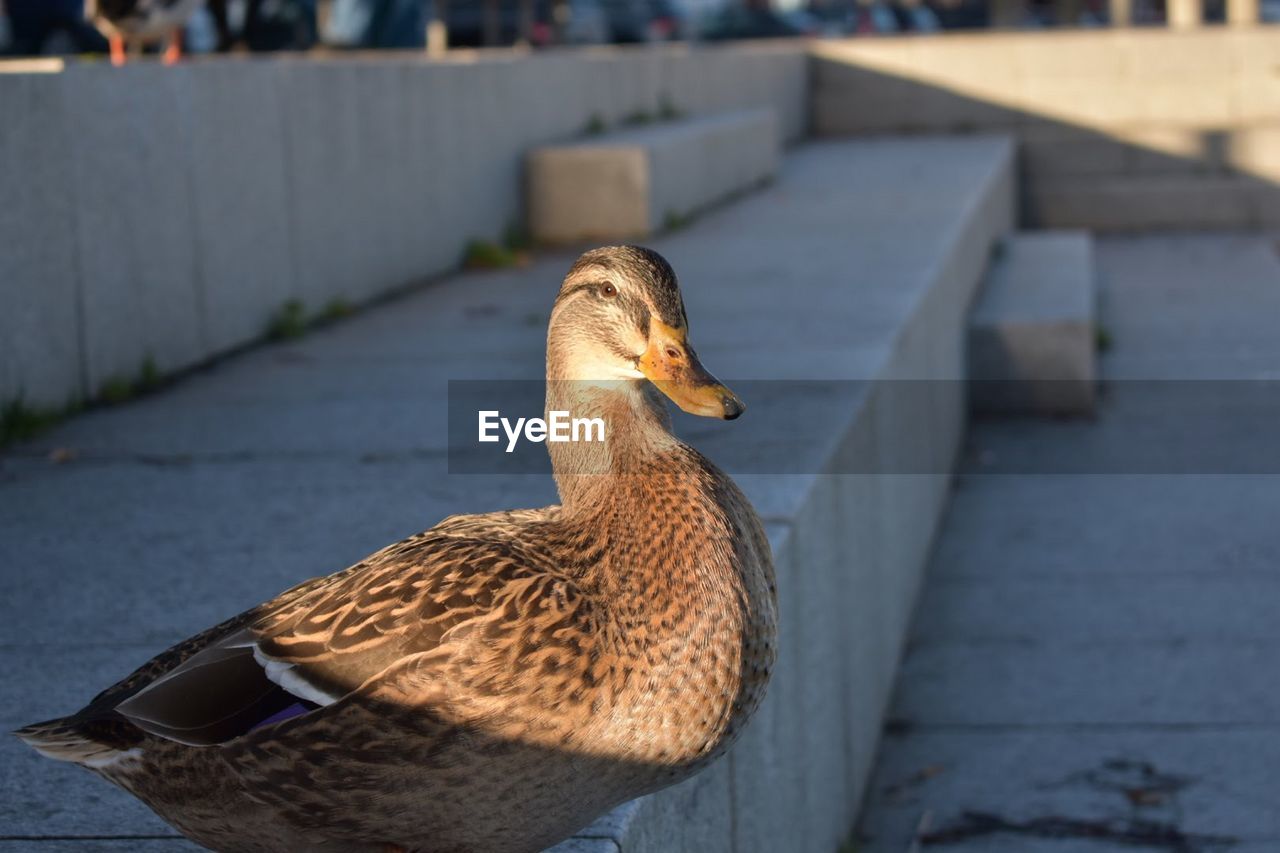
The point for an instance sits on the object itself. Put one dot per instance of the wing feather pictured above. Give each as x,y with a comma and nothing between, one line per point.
323,640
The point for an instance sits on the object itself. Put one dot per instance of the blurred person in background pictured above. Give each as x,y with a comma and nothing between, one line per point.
47,28
376,24
264,25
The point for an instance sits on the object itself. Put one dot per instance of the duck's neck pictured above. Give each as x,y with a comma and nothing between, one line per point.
637,437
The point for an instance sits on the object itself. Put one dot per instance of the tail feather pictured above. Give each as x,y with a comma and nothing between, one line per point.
65,739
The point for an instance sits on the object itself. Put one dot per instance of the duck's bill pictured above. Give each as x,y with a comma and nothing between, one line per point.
671,364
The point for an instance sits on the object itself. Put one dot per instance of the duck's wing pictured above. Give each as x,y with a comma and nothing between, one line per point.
328,638
175,656
101,729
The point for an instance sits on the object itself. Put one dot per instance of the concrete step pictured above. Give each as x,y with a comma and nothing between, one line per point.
1145,202
858,265
634,182
1032,332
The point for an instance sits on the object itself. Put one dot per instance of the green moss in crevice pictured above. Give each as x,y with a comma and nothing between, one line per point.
334,310
487,255
676,221
289,322
121,389
21,422
667,110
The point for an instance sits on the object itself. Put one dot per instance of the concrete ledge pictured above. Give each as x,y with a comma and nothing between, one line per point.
1032,331
857,266
632,183
850,541
1129,203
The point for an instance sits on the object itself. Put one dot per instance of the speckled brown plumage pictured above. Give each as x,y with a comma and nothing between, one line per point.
493,683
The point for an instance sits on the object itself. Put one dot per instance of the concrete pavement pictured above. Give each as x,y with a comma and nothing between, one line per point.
1100,645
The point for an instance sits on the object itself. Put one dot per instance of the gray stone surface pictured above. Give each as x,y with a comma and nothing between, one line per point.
187,205
1140,202
1033,330
39,352
632,183
135,238
1106,631
1128,128
296,460
240,183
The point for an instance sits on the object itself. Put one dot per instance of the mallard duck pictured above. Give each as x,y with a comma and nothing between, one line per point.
139,21
498,681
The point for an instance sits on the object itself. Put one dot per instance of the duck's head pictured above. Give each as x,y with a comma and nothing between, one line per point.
619,317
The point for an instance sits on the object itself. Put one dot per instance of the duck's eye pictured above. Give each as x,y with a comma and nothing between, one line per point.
608,291
673,353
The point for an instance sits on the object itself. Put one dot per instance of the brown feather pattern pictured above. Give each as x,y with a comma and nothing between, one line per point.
501,679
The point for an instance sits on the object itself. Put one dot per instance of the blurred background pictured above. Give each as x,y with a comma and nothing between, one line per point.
59,27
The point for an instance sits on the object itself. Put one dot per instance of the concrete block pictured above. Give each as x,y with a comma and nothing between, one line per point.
1082,101
1166,54
1056,151
343,178
1266,204
629,183
1125,204
1059,54
1031,335
691,817
823,617
240,195
1172,149
768,790
202,199
1255,151
40,356
1254,90
1205,102
851,99
128,135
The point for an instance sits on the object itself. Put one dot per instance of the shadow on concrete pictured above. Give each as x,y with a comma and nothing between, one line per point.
1135,143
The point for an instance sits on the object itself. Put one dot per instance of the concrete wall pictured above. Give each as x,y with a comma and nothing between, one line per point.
167,213
1117,128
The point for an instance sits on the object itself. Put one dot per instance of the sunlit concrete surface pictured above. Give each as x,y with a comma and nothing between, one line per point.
167,214
298,459
634,182
1099,645
1123,128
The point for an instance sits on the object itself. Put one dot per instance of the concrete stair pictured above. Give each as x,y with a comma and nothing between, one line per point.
1033,329
635,182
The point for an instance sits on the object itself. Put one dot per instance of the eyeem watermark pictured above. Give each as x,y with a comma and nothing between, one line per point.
558,426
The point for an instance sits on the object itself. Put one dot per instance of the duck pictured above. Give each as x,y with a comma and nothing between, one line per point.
141,21
500,680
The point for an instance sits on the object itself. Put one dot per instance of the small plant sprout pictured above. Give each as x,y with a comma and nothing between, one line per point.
487,255
289,322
